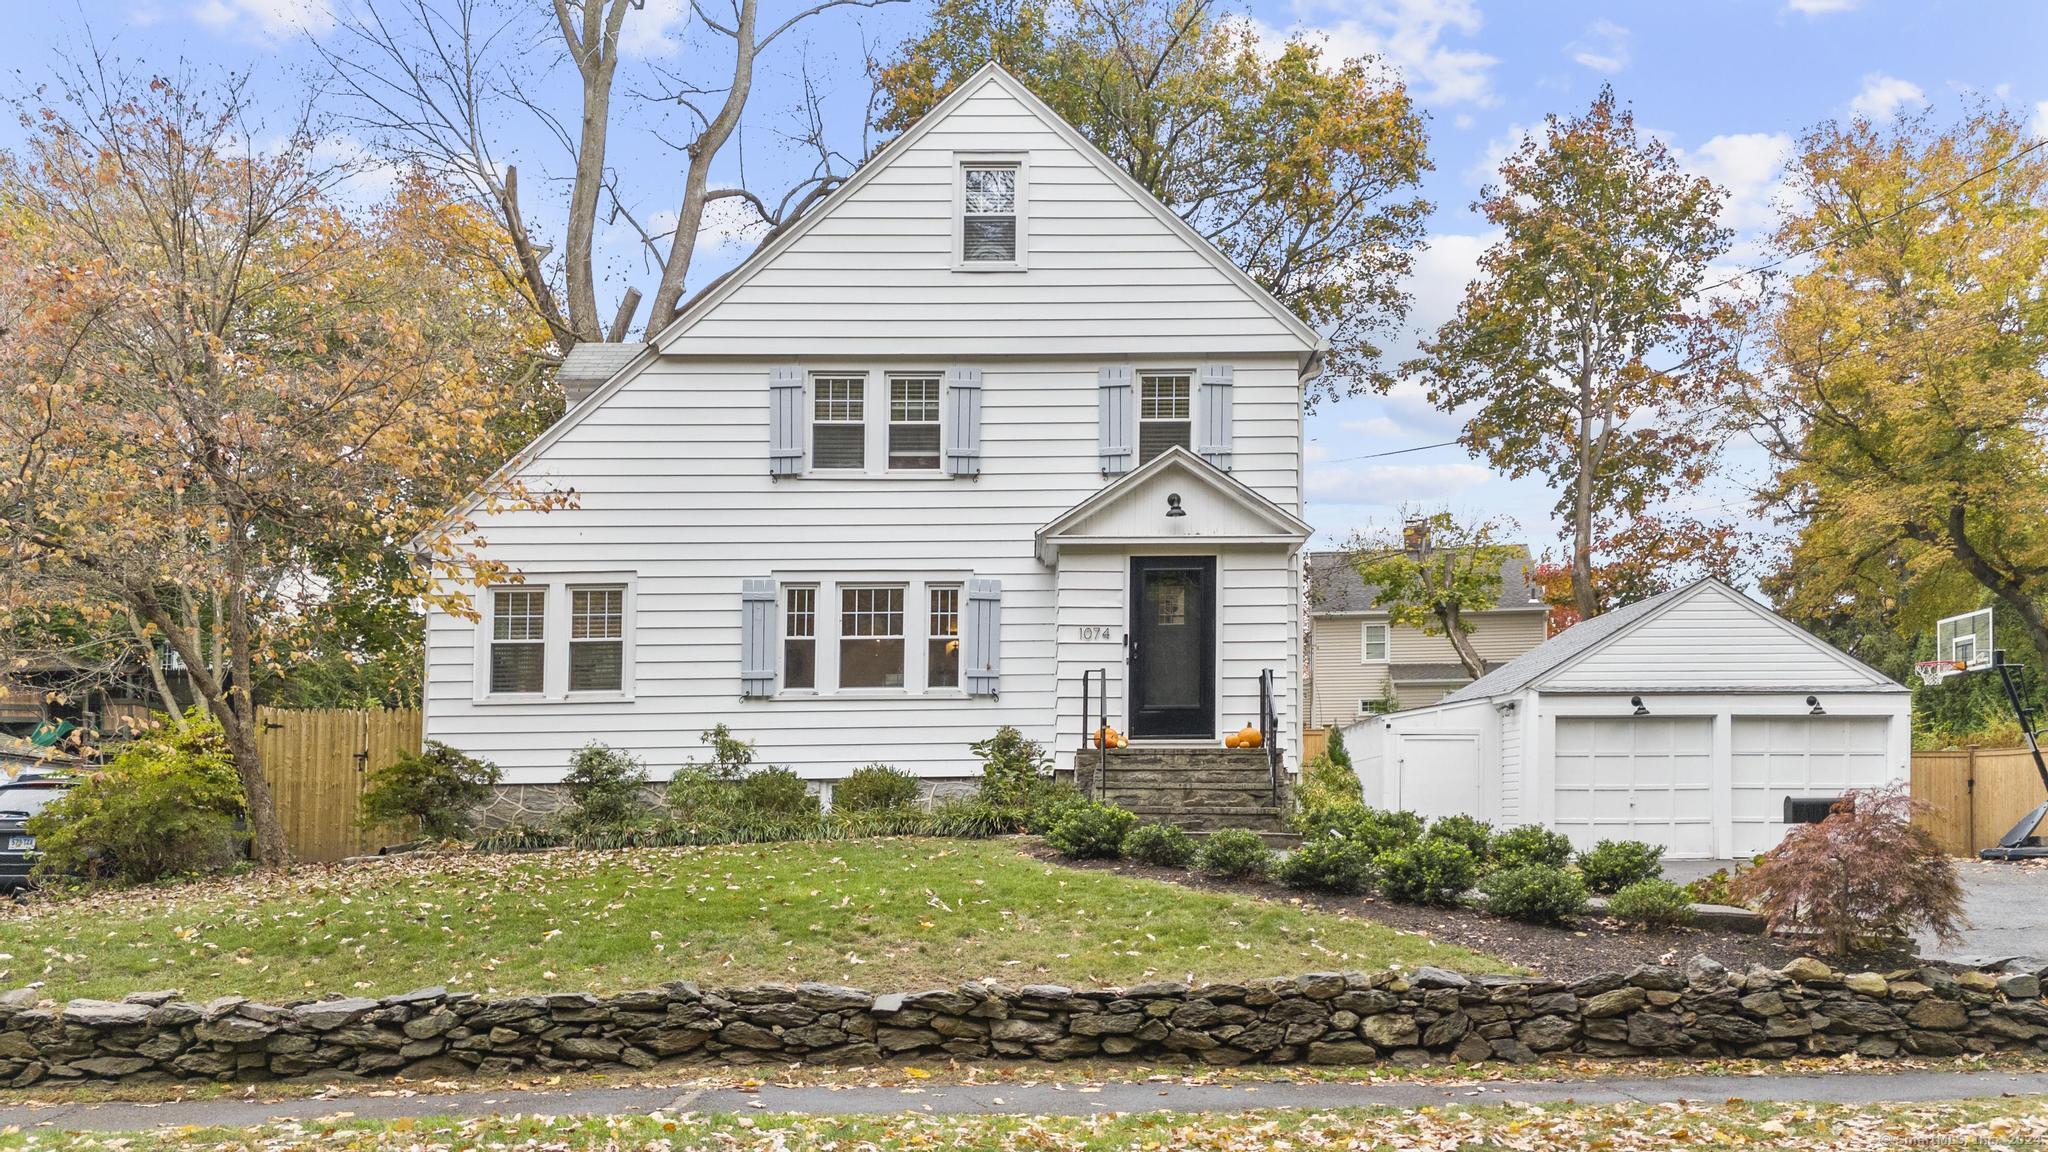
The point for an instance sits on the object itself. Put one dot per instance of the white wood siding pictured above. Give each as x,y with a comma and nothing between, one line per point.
1509,804
1710,640
1342,679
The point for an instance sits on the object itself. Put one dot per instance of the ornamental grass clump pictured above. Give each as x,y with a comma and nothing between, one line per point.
1864,878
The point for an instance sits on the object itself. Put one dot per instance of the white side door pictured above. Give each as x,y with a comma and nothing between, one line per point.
1438,773
1647,778
1772,758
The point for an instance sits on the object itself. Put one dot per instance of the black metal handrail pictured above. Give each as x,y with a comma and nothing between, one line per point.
1100,677
1269,730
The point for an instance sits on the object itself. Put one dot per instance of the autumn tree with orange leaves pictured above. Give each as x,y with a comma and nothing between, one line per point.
227,388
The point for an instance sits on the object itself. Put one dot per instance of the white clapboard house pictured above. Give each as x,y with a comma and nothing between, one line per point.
987,423
1696,719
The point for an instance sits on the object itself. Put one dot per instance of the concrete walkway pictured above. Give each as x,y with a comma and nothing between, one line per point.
1040,1099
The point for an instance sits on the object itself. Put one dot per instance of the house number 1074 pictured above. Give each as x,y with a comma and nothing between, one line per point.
1097,632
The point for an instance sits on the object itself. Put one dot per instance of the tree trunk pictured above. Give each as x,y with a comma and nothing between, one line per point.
270,846
704,149
156,673
596,55
1583,597
1461,642
2002,585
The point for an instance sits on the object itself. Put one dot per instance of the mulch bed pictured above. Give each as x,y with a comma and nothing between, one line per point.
1561,953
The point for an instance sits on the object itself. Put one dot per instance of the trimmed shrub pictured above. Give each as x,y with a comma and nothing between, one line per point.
1162,844
1044,803
1376,829
1235,854
1329,864
1612,865
1433,870
876,788
1475,834
435,791
165,806
1537,893
1091,831
1656,903
1865,877
1325,782
1531,844
605,789
1010,767
776,793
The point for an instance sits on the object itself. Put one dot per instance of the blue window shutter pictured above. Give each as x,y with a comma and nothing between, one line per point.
963,422
1214,403
785,421
1116,422
757,638
984,637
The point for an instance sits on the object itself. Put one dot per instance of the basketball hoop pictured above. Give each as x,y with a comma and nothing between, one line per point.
1935,671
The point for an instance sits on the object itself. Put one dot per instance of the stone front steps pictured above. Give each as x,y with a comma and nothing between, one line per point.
1199,789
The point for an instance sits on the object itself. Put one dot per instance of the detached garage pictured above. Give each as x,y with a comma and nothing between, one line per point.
1696,719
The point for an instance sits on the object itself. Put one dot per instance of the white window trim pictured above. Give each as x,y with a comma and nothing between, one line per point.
875,423
916,633
1138,408
782,637
555,639
962,161
1365,631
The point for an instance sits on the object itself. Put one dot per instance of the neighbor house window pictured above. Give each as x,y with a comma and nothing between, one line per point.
1165,414
800,638
597,639
988,220
839,430
913,423
871,637
519,640
942,637
1372,643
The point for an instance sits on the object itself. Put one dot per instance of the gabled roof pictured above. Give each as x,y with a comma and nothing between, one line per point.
1581,640
1335,587
1211,496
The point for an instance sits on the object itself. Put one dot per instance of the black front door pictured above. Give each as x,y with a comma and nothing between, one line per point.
1173,647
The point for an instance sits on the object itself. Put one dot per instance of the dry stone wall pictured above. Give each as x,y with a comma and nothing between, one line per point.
1324,1017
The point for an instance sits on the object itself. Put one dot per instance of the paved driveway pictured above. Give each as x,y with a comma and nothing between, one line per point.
2007,906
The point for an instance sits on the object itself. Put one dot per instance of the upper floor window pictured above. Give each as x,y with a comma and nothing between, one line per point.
839,431
1165,413
519,640
988,214
597,639
913,423
1372,643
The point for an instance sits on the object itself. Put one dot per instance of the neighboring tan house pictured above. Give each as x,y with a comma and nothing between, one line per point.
1359,663
987,426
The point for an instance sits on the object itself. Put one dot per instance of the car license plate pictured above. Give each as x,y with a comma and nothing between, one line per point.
20,843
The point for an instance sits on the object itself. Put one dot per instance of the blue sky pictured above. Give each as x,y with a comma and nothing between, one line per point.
1728,83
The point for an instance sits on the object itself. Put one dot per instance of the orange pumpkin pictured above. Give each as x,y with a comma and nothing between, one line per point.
1249,737
1231,740
1107,737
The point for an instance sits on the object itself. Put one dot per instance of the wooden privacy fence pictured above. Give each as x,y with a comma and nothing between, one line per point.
318,761
1976,794
1313,743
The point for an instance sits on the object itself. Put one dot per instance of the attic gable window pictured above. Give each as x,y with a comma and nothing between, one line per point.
1165,413
990,196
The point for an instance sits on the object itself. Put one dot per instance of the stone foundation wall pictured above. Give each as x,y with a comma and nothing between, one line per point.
538,805
1703,1010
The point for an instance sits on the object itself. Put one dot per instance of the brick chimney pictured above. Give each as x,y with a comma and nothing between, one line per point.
1415,535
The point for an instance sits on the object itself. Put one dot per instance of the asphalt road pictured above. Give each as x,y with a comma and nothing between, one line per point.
1038,1099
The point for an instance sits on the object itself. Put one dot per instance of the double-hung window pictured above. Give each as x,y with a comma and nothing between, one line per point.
597,639
839,430
988,216
800,637
942,637
1165,413
913,423
1372,643
519,619
871,636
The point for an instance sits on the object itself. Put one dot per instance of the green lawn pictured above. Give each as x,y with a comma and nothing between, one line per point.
2008,1123
881,914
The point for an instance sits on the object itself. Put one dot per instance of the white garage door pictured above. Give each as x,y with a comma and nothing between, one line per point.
1439,773
1806,757
1647,778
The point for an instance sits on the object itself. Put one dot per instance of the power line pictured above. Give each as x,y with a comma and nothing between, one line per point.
1395,452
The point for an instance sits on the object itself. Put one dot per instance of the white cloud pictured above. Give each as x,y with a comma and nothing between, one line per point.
655,30
1603,47
1408,34
1373,429
1485,168
1883,95
265,19
1751,167
1820,7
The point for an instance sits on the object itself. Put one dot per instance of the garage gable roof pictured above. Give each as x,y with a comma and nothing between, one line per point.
1548,660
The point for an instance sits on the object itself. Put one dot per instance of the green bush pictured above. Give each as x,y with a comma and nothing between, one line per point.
1657,903
1044,803
1329,864
1376,829
435,791
165,806
775,792
1335,750
1718,886
605,789
1011,766
1162,844
695,796
876,788
1091,831
1531,844
1325,782
730,755
1433,870
971,818
1612,865
1475,834
1537,893
1235,854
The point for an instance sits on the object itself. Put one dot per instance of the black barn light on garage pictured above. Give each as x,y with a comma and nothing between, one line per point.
1813,707
1638,702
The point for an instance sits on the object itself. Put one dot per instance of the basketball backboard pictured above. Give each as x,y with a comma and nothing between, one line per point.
1965,640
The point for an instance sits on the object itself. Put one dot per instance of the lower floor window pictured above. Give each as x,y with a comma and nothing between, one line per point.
558,639
871,637
942,643
597,639
800,638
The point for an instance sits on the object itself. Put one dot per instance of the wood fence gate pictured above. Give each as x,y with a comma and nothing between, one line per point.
318,761
1976,794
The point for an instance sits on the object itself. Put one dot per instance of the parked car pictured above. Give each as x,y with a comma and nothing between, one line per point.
19,800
